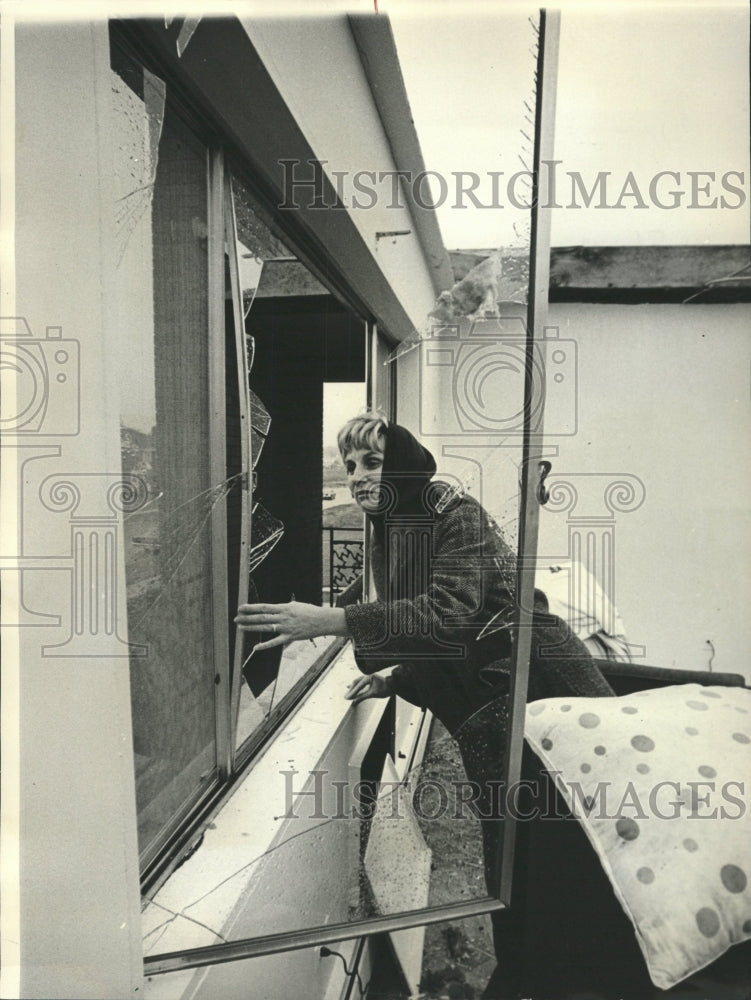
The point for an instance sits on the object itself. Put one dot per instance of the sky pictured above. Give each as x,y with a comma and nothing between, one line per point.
641,89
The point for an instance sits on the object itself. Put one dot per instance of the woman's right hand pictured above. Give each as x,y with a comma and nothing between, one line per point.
374,686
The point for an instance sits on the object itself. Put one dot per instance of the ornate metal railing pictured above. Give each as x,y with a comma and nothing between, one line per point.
343,552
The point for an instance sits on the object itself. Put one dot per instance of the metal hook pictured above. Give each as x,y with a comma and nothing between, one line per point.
543,494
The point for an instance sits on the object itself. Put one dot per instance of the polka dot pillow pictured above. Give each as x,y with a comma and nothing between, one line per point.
660,782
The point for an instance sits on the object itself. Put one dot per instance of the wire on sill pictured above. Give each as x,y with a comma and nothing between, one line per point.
325,952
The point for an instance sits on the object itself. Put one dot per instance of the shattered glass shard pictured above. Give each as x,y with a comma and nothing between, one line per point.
260,421
139,117
260,418
266,531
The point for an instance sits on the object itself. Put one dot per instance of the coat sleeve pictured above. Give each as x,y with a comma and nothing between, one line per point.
467,586
402,683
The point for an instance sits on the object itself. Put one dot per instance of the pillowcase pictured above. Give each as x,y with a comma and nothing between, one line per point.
660,782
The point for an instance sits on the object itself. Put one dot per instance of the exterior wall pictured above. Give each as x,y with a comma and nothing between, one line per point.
663,396
78,883
326,48
661,404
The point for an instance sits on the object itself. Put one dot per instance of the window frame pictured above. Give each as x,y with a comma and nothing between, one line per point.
242,756
217,458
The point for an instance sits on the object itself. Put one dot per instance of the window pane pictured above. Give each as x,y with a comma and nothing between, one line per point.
301,338
162,225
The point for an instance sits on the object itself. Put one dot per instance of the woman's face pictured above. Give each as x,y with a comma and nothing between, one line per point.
363,467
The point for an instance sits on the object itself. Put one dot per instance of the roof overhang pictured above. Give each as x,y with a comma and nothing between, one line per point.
224,77
375,43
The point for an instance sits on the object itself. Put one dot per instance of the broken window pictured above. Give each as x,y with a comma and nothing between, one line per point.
161,178
272,340
224,344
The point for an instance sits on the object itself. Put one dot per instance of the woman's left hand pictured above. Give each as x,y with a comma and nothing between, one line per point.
290,622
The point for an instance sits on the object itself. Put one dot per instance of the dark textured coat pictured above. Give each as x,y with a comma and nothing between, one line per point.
467,573
442,572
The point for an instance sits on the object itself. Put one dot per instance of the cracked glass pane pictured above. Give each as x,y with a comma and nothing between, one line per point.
382,842
138,104
160,182
255,244
387,838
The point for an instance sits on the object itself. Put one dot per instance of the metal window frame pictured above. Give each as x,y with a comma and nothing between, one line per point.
162,855
374,373
237,170
246,457
529,515
218,461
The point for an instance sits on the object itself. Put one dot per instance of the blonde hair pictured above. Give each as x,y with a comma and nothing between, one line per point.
366,430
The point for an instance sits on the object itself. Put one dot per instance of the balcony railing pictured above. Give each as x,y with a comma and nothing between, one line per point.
343,550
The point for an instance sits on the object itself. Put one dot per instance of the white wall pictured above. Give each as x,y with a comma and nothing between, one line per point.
79,900
664,396
661,404
333,105
445,405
